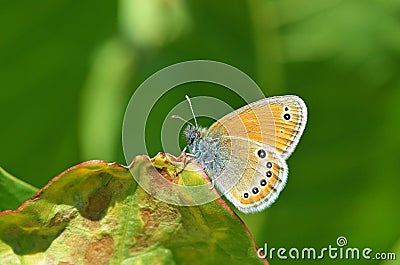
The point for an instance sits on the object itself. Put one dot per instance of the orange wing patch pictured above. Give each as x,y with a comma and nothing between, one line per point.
277,122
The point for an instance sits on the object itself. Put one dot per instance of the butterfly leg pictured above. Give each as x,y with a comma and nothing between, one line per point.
213,174
184,149
185,162
212,185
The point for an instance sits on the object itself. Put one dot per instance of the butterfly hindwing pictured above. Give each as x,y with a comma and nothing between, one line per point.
254,169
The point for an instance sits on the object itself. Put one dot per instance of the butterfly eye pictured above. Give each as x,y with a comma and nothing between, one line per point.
269,165
261,153
245,195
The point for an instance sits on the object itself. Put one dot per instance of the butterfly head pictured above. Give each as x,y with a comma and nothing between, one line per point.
192,134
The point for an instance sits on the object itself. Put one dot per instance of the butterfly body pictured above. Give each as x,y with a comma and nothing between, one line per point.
245,152
206,150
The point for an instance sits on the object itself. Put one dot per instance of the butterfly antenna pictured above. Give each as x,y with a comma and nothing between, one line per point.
191,108
180,118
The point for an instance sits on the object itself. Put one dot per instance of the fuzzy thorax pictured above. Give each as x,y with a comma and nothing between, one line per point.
204,149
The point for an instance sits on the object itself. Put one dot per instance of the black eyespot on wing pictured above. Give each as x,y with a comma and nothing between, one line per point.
255,190
263,182
261,153
286,116
269,174
269,165
286,108
245,195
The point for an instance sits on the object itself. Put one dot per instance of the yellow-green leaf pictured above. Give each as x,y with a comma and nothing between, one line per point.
95,213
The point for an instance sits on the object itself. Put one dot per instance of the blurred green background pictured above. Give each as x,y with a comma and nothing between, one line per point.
68,69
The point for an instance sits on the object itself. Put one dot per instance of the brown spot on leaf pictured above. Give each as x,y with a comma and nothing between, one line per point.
162,214
151,221
97,204
91,225
62,217
100,252
72,241
145,214
158,181
167,175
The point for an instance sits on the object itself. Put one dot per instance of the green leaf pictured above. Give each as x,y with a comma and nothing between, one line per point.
95,213
13,191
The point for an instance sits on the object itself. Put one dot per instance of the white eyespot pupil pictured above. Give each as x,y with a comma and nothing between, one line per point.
261,153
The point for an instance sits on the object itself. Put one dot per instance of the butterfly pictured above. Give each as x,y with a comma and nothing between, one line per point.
244,153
